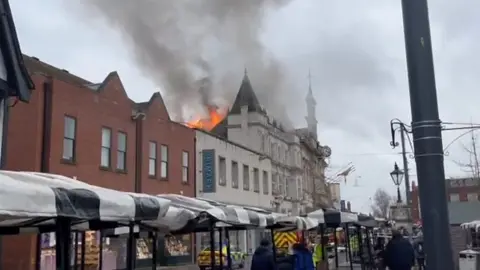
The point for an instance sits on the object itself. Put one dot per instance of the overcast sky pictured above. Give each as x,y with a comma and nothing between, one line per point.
355,50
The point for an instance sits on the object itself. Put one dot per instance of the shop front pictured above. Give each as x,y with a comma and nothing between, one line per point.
177,250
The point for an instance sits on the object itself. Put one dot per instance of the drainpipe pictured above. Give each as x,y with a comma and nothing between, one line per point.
45,147
46,125
195,165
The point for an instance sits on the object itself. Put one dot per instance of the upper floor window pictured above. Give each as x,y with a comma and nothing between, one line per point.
256,180
472,197
287,186
106,147
265,183
164,161
121,151
69,138
454,197
185,167
281,185
234,174
152,159
222,171
275,190
246,178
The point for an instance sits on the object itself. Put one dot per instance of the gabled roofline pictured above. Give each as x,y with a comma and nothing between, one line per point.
19,82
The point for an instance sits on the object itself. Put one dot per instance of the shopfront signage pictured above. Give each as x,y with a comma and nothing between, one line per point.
208,171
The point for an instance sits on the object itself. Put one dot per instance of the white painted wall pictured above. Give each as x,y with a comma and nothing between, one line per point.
335,191
232,152
247,240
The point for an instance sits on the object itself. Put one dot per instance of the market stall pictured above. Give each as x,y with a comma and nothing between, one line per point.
73,209
335,219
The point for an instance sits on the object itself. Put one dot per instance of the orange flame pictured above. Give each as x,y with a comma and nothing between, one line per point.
215,116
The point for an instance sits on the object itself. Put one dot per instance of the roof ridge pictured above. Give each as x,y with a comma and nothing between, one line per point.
34,64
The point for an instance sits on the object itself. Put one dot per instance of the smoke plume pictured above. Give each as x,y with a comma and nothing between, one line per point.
188,45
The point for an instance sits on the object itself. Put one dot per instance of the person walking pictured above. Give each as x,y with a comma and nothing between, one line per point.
303,257
399,253
318,253
379,250
419,252
263,257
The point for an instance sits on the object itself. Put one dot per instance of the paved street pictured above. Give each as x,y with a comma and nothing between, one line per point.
342,262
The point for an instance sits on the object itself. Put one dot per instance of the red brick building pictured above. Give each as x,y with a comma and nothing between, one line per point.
94,132
458,190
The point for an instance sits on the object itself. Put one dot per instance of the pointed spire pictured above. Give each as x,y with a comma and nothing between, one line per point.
310,83
311,104
309,98
246,97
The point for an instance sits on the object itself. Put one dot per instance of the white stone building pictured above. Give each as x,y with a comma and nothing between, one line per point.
335,194
240,175
233,174
296,158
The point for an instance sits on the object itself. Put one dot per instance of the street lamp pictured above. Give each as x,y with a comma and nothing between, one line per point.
397,177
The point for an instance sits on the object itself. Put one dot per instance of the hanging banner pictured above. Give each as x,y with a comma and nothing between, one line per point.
208,171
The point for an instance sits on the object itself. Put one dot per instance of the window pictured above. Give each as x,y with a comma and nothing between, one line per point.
121,151
265,183
234,174
164,161
222,171
69,134
106,147
287,186
178,245
246,178
281,185
256,180
299,189
472,197
152,159
185,167
454,197
275,190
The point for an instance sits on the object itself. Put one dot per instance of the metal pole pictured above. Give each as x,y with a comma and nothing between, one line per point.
399,195
427,136
405,164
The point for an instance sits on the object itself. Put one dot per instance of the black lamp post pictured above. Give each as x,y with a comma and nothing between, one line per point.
397,177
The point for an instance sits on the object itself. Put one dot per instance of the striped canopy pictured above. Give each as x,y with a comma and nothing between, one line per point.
32,200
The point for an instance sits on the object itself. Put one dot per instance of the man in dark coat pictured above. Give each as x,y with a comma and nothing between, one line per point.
263,257
399,253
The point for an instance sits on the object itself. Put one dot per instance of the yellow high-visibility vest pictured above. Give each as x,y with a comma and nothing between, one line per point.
317,254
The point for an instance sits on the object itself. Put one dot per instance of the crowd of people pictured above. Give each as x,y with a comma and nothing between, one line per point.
398,254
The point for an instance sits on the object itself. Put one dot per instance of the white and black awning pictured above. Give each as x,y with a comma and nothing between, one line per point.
475,225
252,216
30,199
224,215
333,217
298,223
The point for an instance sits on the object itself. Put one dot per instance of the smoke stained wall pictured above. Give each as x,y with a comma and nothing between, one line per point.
182,44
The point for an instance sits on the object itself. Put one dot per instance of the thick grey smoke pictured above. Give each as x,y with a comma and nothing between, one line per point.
188,45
